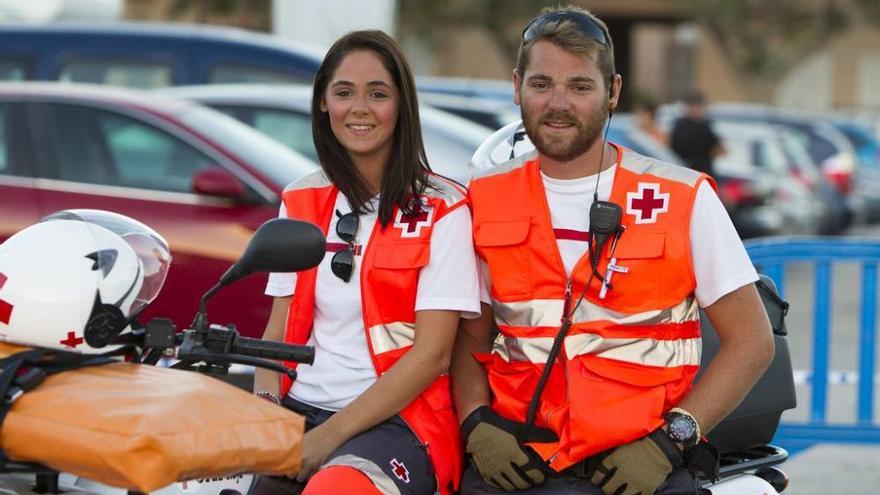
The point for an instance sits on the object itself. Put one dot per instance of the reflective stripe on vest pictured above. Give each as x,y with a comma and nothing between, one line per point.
548,313
392,336
646,352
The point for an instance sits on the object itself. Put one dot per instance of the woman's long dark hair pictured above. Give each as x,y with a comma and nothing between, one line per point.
406,173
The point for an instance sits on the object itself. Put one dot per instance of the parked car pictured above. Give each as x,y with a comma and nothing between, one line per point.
861,136
487,89
825,144
283,113
202,179
490,113
838,216
866,178
756,149
488,102
150,55
744,196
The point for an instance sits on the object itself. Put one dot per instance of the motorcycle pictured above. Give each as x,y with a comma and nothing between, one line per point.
279,245
748,462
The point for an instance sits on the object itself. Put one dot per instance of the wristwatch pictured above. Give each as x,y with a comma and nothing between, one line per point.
682,427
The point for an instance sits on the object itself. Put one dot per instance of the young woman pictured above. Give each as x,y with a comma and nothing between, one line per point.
382,309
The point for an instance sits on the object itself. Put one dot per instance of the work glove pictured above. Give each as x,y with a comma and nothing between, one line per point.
639,467
497,450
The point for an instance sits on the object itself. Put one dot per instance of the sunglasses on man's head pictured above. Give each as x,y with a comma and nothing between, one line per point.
585,24
342,263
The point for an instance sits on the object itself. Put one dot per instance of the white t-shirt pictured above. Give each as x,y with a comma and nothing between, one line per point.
713,237
343,369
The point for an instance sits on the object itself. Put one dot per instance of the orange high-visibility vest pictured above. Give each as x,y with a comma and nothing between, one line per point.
628,357
393,258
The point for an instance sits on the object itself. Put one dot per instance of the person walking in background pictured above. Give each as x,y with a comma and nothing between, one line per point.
578,376
646,121
382,309
692,137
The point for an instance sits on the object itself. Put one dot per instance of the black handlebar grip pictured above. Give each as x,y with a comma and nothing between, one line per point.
268,349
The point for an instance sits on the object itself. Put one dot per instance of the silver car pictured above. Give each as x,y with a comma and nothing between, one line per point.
283,113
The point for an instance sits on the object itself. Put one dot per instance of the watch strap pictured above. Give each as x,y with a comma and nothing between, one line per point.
667,446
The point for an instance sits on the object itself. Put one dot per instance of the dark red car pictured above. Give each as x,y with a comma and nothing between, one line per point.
200,178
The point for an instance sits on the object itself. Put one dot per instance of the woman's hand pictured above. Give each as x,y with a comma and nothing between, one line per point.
410,375
317,445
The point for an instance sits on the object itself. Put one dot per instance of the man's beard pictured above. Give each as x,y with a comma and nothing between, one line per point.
563,149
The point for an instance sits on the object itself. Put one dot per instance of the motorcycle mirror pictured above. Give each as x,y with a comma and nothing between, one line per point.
279,245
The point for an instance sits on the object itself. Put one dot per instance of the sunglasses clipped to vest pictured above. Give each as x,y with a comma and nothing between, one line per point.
342,263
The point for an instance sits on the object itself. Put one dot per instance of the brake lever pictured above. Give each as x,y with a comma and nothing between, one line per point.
232,358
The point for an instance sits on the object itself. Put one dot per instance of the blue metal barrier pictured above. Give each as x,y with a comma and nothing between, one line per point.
771,255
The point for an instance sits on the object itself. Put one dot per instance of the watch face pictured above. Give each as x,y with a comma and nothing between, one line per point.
682,429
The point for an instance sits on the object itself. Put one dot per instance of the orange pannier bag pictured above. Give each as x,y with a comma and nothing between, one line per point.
140,427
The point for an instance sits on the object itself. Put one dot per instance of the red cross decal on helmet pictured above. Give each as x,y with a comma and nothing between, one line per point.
399,470
5,307
72,340
411,224
647,204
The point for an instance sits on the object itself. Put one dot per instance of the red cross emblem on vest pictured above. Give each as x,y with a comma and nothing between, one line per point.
647,204
5,307
400,470
410,225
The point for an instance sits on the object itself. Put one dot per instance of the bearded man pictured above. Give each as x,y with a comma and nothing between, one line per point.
588,386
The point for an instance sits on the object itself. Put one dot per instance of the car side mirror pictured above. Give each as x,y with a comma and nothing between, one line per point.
217,181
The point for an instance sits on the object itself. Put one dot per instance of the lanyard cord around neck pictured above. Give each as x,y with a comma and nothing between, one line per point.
594,252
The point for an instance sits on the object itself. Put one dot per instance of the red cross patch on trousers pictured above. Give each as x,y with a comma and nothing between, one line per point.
400,470
5,307
411,225
648,203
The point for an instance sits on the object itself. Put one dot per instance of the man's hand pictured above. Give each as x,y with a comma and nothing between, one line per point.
498,452
639,467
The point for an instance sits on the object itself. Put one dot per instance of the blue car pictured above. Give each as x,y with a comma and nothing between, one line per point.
143,55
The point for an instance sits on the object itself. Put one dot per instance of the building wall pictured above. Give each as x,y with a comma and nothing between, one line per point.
469,52
715,76
651,45
323,22
844,74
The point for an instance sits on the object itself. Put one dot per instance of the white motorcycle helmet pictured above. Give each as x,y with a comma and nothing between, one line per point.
505,144
75,280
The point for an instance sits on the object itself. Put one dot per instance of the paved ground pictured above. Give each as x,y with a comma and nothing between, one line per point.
830,468
835,469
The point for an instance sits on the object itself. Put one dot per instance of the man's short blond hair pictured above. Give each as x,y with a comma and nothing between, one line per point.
567,35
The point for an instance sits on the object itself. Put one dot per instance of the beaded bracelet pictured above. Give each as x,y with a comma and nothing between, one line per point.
269,396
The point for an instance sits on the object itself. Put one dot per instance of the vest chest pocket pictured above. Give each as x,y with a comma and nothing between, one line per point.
502,244
402,256
396,269
637,279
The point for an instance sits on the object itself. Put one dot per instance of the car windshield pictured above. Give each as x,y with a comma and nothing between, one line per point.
867,147
623,131
798,157
276,161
